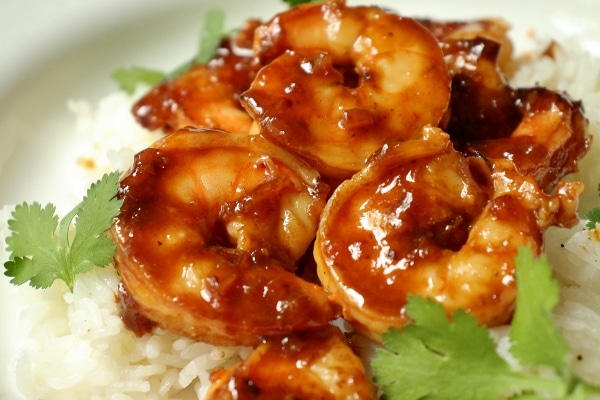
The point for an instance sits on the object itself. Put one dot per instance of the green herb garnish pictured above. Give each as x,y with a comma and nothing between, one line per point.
536,340
43,250
129,78
293,3
212,34
439,358
210,39
593,217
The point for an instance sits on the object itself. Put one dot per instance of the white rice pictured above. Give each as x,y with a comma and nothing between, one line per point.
77,347
575,253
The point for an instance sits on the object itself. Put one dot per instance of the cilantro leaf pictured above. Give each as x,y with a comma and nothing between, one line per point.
537,295
129,78
536,340
593,217
436,357
210,39
32,238
213,30
43,250
94,216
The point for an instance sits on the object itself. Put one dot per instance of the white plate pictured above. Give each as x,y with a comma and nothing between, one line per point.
53,51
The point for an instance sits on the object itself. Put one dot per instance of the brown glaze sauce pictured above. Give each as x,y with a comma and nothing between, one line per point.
406,225
334,94
542,131
131,313
414,214
315,364
177,249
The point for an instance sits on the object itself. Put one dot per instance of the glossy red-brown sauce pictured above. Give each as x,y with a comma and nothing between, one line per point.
361,77
131,313
178,260
291,367
403,224
423,226
486,113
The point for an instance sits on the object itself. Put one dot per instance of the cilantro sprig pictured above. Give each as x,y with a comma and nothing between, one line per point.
440,358
213,30
42,249
210,37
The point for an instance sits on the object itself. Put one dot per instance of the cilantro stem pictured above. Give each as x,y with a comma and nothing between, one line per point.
210,39
64,245
65,224
212,34
67,275
580,390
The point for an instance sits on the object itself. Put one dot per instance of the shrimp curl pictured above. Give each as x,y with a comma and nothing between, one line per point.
359,78
209,234
421,218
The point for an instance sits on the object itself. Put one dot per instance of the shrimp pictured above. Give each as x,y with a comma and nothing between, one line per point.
359,78
542,131
211,226
549,141
208,94
307,365
495,29
423,219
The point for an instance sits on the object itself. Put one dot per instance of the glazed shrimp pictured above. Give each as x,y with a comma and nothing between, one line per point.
549,141
423,219
542,131
360,77
494,29
210,229
307,365
208,94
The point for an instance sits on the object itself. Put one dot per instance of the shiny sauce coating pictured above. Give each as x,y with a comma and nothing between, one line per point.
543,132
195,266
306,365
424,219
208,94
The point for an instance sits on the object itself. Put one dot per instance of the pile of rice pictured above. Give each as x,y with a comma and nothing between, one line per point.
75,346
575,253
